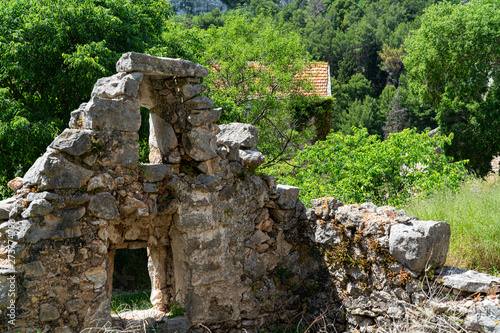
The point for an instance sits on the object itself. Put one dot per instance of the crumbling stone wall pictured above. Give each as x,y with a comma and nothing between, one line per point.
211,227
235,249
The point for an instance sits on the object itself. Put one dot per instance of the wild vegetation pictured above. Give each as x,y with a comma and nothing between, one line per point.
399,69
473,213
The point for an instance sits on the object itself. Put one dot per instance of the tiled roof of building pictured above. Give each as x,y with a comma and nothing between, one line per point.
318,74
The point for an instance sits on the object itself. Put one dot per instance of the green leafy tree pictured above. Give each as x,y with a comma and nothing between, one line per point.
264,7
354,107
51,54
453,64
254,64
214,18
360,167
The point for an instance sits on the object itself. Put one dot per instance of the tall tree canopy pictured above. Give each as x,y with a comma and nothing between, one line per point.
453,63
51,54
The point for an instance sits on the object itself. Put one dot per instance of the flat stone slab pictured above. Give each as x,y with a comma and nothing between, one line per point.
153,318
148,64
467,280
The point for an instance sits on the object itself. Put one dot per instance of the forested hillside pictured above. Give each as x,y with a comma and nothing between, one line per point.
395,65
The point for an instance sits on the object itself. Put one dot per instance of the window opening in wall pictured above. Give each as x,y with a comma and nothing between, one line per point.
144,137
131,286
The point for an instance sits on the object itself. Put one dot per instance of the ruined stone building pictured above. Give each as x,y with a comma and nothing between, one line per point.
233,248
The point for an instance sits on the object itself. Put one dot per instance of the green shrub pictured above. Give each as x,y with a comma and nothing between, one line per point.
359,168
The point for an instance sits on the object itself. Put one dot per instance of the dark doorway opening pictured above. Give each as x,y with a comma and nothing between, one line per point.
131,286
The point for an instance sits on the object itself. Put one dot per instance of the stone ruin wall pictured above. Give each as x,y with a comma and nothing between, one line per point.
235,249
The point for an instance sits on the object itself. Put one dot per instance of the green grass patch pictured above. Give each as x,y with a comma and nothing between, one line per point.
474,215
138,300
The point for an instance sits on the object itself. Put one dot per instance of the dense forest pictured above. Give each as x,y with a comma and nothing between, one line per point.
399,68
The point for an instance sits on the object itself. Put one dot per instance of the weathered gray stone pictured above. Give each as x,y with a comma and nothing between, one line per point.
5,207
27,231
125,151
326,233
251,158
16,230
176,324
79,199
70,214
118,85
76,120
52,171
468,280
147,64
287,196
420,243
34,175
73,142
325,207
133,205
34,269
103,205
282,216
103,180
189,90
204,117
154,172
39,207
199,103
233,134
32,196
97,276
150,188
161,136
74,305
48,313
200,144
112,114
255,266
484,317
17,208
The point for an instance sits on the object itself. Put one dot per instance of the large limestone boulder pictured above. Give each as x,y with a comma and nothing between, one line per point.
234,134
73,142
112,114
420,243
52,171
118,85
200,144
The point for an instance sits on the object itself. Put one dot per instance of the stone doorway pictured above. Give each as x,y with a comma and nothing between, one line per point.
131,285
152,263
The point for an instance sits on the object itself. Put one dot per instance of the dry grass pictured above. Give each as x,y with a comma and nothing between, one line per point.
474,214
